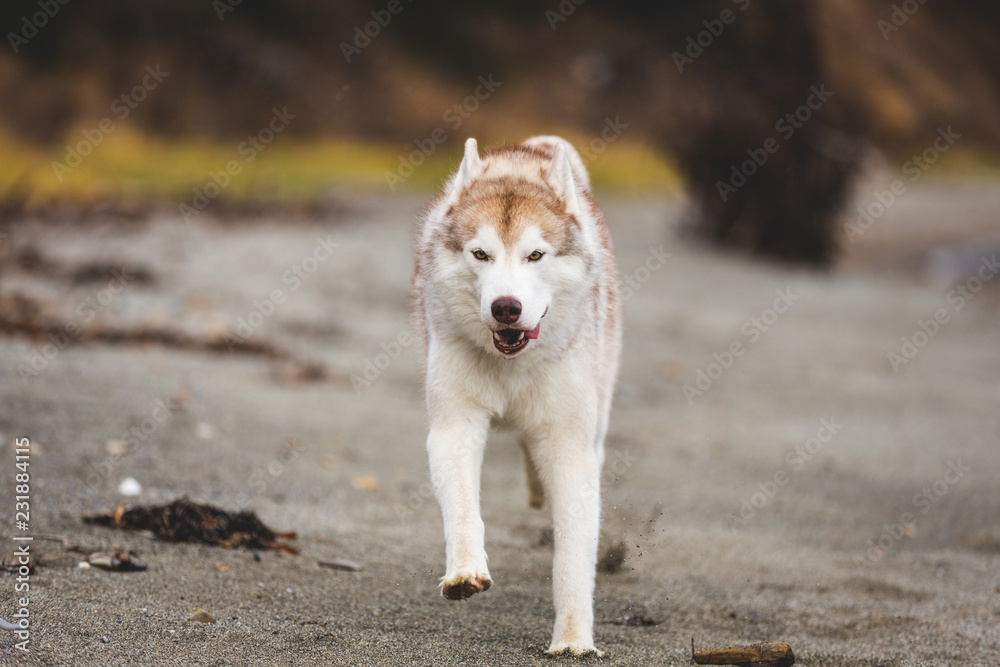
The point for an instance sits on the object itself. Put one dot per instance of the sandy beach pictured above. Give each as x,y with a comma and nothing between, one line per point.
773,471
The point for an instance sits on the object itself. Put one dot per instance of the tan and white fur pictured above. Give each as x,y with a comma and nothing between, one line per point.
516,295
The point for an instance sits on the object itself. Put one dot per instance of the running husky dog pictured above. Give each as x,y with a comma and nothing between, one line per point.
515,293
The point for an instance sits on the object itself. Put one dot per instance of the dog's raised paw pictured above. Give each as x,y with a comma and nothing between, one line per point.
465,584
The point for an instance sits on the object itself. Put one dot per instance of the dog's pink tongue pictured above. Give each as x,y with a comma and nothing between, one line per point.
534,332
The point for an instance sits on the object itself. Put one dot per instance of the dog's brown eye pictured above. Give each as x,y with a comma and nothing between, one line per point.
480,255
535,256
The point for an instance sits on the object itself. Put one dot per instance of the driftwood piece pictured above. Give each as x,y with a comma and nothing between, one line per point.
756,655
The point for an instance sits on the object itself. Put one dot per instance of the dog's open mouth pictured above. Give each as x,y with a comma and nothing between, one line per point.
512,341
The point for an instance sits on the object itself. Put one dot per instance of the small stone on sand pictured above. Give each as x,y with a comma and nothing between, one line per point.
201,616
130,487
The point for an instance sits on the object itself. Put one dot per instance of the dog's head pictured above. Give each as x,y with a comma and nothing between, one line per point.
518,261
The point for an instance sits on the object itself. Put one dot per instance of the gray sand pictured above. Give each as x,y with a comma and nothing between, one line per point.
797,566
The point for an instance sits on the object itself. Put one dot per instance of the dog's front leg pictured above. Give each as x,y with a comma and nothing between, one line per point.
456,448
571,470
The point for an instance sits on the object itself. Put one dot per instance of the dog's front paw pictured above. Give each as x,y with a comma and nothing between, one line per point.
574,649
465,583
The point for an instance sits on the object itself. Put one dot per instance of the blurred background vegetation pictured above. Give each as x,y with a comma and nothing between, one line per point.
898,71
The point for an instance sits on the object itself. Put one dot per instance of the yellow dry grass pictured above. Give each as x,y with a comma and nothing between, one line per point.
127,165
130,166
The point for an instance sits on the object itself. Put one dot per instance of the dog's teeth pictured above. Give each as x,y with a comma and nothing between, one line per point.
520,336
496,335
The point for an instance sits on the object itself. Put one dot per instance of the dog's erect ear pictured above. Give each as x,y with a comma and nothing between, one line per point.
470,169
561,178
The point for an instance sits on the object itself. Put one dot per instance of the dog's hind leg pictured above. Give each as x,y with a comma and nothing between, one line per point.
536,492
455,445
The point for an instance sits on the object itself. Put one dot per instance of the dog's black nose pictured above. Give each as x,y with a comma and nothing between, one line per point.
506,310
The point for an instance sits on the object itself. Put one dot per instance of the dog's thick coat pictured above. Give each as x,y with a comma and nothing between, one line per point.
515,293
